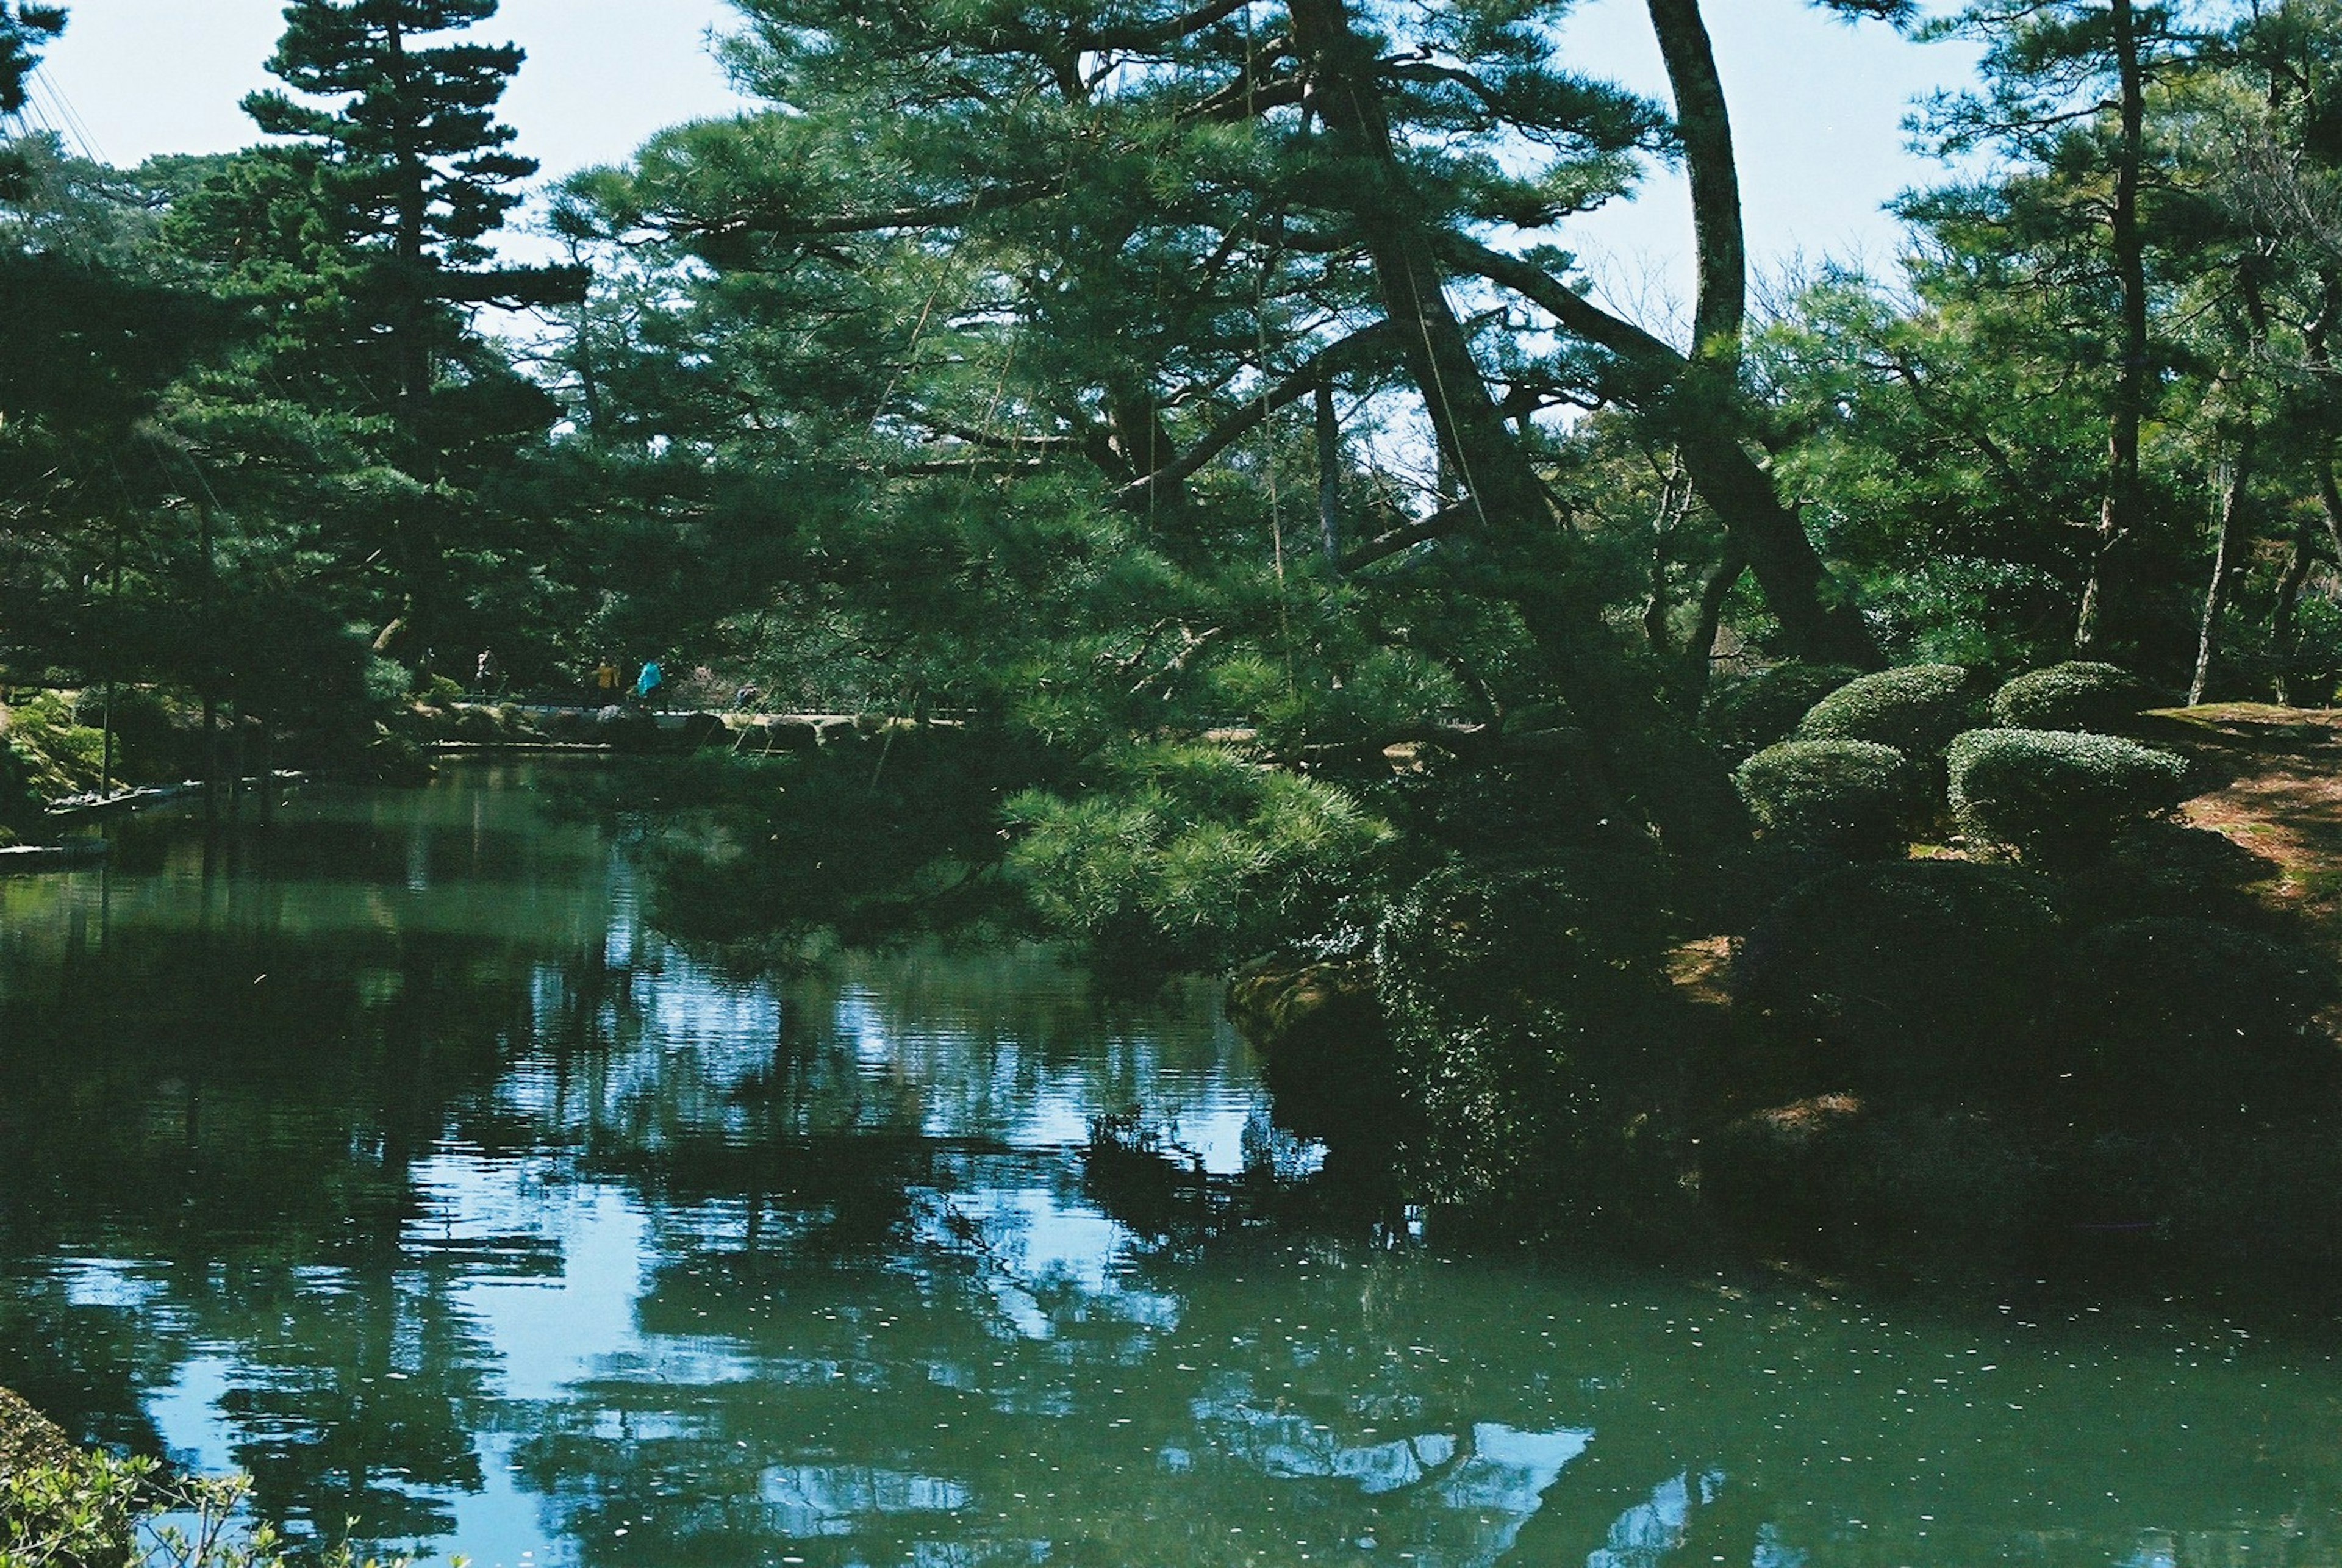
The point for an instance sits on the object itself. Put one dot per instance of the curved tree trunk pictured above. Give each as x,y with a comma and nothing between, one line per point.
1647,756
1820,618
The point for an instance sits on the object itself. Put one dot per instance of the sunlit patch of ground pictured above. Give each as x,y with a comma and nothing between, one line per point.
2283,800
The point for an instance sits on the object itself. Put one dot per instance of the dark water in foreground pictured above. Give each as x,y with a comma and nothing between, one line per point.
394,1158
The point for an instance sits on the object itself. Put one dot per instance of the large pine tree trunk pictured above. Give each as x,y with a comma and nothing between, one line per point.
1819,620
2224,551
1645,753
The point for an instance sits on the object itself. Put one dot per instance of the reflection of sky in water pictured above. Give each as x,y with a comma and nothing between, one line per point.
813,1269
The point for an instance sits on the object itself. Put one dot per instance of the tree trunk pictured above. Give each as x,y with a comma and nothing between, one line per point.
1699,652
1819,620
1704,122
2119,510
1645,753
267,772
1329,478
211,760
2224,564
2285,632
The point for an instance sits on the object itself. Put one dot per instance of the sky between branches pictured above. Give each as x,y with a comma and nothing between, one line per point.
1816,108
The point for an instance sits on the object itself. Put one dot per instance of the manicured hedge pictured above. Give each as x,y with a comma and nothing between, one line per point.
1853,795
2057,793
2079,695
1917,710
1745,714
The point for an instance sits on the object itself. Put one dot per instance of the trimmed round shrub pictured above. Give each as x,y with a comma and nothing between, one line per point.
1745,714
2192,1020
1928,979
2058,792
154,741
1917,710
2078,696
1853,795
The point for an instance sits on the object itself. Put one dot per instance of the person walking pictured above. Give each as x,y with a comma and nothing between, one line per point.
605,683
647,684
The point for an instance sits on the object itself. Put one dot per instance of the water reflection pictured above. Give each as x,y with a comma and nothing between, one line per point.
394,1157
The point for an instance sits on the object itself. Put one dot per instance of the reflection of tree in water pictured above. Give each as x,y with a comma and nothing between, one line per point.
886,1308
228,1078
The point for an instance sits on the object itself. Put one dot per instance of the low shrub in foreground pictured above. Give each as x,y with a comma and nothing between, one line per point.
2076,696
1927,977
1853,795
92,1510
2190,1020
1917,710
2058,793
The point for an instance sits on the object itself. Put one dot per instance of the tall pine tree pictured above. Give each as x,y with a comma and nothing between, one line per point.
412,173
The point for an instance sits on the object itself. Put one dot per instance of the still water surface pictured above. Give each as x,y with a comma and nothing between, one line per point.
394,1156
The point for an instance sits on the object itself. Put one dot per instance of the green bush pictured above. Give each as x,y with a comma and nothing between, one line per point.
2078,696
1529,1028
1926,977
155,740
2189,1019
95,1510
1917,710
20,798
1853,795
1745,714
2058,793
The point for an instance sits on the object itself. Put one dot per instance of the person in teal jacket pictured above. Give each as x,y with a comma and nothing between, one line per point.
647,684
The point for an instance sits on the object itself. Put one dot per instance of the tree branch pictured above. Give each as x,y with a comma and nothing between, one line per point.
1333,358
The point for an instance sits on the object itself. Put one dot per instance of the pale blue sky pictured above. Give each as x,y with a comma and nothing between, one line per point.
1817,106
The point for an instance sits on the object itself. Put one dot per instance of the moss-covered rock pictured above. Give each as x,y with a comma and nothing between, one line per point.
1329,1054
2076,695
1855,796
2057,794
28,1438
1916,709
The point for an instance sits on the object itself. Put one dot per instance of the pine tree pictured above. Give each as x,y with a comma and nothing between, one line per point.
415,156
409,172
24,28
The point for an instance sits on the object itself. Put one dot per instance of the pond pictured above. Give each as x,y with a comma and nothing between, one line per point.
392,1155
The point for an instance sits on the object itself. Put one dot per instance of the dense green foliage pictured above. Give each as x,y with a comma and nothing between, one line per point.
2057,793
2190,1018
1745,714
1192,406
1923,978
1917,710
2078,695
1856,795
1192,855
